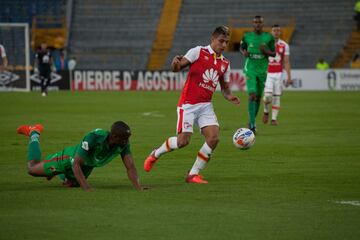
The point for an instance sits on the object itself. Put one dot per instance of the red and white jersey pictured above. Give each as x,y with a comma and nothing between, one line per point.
2,51
206,70
276,63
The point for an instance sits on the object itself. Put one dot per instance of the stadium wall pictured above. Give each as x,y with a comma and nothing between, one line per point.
116,80
304,79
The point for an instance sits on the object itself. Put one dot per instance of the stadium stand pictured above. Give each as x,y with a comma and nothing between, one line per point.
351,47
108,34
14,45
23,11
322,26
164,34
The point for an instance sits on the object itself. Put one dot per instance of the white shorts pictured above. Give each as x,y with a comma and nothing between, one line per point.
273,83
201,114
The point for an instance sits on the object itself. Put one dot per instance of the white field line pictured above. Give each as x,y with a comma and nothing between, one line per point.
152,114
353,203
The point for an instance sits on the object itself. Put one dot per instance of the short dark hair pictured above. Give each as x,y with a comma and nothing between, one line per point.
221,30
258,17
275,26
120,128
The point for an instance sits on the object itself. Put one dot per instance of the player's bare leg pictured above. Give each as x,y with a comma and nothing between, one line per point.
170,144
211,134
267,101
275,110
36,168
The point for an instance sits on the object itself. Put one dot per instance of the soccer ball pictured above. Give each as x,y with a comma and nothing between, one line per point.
243,138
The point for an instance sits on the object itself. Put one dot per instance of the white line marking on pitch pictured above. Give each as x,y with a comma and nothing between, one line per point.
353,203
152,114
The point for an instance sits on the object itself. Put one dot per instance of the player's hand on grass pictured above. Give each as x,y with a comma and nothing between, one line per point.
69,183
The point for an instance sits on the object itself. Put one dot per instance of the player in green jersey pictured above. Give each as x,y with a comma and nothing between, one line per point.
74,164
256,46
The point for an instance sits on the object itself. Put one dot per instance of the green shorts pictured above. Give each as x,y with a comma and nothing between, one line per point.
57,163
255,83
61,163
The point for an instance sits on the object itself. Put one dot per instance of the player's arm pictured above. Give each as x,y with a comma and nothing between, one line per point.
82,155
132,172
228,95
5,63
181,62
4,58
287,67
225,88
52,64
36,69
243,48
78,173
269,50
178,63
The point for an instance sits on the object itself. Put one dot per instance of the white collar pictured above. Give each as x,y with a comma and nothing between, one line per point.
211,51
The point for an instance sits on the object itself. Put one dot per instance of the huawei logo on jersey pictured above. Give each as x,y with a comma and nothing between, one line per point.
211,75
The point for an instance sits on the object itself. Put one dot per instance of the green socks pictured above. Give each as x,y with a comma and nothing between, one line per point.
34,152
252,112
257,106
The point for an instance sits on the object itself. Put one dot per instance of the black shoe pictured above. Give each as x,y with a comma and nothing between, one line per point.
253,130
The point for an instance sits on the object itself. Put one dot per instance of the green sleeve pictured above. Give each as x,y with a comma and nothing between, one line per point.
272,44
87,145
126,150
243,43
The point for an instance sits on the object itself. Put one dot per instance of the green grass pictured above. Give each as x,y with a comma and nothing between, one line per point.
285,187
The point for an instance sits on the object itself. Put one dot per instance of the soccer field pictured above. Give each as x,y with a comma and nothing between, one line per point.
301,179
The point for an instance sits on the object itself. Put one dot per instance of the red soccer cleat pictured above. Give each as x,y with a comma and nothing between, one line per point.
274,122
196,178
150,161
28,129
265,118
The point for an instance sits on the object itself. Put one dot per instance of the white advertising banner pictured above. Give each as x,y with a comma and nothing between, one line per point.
309,80
342,79
317,80
332,79
117,80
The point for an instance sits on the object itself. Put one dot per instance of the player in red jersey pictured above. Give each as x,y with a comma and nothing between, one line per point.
273,84
208,67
